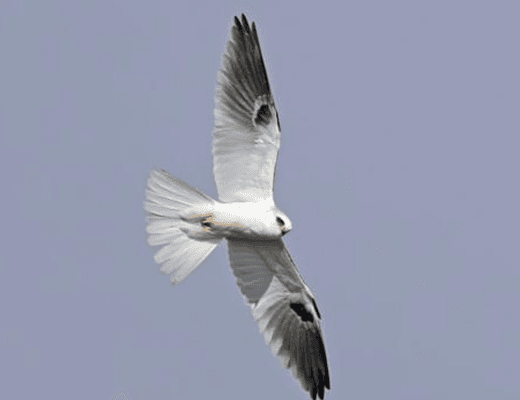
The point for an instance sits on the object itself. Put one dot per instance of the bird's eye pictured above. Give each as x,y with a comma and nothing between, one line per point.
280,222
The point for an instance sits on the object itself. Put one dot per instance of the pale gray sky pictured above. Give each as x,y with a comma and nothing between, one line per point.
398,168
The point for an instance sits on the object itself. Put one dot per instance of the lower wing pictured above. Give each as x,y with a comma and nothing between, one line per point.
284,308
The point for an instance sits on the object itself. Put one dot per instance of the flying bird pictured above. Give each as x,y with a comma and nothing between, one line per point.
189,225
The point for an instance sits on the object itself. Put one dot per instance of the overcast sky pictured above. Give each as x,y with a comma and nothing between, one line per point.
398,168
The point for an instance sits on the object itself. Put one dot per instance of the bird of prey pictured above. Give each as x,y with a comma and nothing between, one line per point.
189,225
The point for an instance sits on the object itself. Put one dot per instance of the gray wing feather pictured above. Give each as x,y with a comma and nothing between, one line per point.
284,308
247,129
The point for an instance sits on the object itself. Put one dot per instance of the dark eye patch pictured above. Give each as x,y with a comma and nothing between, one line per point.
280,222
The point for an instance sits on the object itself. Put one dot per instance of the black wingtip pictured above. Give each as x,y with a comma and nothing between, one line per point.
244,24
254,34
245,91
244,21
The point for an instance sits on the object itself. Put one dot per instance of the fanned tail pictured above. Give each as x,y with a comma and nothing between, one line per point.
185,245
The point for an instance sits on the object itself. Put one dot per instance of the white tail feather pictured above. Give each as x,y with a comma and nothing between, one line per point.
167,200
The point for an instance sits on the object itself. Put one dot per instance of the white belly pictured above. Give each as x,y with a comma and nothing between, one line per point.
254,220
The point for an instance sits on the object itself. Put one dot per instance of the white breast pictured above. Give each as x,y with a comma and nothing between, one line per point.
246,220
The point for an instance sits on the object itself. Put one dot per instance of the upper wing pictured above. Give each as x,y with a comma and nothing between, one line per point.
247,130
284,308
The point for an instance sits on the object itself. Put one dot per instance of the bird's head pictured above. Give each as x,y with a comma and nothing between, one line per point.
283,222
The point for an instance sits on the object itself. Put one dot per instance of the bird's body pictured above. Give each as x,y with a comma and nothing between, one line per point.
240,220
189,225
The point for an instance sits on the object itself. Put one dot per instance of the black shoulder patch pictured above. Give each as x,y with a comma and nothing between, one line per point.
302,312
263,115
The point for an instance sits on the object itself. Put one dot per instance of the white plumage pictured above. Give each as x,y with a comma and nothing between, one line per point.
189,224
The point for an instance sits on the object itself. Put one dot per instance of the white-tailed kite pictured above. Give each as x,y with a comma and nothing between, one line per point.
189,224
